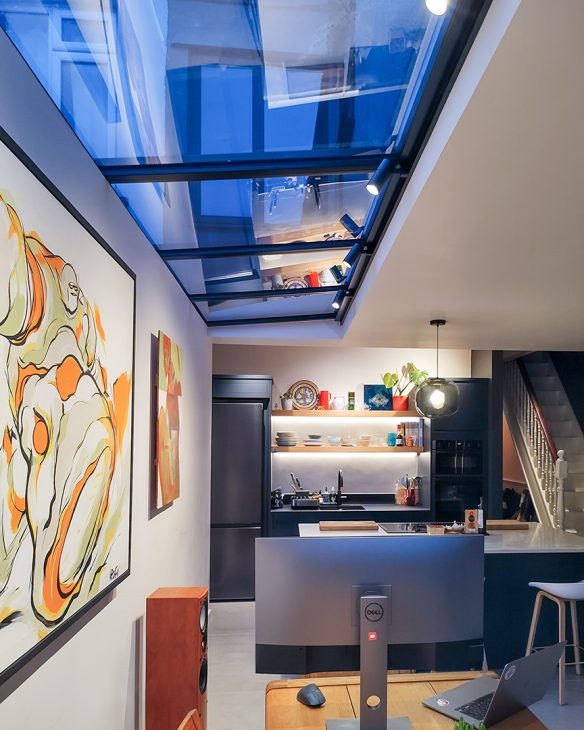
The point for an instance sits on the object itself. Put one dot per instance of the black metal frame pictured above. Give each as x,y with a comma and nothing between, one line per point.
466,20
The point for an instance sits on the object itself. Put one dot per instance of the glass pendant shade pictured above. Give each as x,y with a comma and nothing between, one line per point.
437,397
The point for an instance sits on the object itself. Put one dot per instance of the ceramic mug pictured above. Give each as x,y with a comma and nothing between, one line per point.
339,403
324,400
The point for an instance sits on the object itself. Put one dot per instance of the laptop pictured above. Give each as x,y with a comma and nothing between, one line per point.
491,700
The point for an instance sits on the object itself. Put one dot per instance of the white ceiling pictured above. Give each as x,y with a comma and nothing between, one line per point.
490,235
494,243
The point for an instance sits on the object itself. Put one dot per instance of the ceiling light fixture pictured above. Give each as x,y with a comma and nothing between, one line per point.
339,296
352,255
438,7
379,178
437,396
351,226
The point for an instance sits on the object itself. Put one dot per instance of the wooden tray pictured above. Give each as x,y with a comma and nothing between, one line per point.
507,525
348,525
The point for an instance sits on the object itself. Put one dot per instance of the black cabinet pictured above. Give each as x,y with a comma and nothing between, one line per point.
460,463
240,481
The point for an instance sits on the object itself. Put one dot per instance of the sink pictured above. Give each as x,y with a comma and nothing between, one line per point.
333,507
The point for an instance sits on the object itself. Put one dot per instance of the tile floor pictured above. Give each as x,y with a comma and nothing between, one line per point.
236,692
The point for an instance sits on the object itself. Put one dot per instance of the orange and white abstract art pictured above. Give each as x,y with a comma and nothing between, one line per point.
66,347
168,423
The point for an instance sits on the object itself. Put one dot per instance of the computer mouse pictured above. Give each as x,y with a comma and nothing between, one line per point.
311,696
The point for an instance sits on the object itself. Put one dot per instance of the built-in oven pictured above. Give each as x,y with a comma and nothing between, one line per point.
457,457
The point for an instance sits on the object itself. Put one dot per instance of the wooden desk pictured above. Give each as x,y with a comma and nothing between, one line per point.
406,692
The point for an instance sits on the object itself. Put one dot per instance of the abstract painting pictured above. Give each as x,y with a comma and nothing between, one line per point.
168,423
66,347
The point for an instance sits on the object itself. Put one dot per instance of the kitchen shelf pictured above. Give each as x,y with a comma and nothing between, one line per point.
349,449
306,413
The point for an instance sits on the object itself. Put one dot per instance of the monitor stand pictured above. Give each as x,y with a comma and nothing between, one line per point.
373,620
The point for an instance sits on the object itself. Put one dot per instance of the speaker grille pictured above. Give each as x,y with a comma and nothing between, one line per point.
203,676
203,617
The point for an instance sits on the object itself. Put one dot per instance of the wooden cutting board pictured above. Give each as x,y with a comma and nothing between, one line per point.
507,525
349,525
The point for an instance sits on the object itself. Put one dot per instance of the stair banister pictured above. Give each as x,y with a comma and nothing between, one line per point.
537,409
561,476
542,462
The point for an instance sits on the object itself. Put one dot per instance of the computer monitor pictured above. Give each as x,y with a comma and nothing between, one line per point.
318,600
308,593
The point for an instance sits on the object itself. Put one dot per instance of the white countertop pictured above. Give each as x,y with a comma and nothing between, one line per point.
537,539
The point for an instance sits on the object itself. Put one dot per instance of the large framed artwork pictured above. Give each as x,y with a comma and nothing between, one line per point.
168,421
66,404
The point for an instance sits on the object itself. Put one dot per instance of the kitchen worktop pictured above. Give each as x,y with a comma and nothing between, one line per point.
537,539
367,507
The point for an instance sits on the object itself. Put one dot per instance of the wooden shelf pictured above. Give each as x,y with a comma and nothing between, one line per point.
349,449
345,414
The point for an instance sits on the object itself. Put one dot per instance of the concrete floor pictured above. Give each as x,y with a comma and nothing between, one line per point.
236,692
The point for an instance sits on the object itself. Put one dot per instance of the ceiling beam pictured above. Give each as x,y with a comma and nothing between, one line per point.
218,252
226,296
238,169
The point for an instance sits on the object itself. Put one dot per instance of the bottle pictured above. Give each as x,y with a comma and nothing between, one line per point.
399,437
400,493
351,401
481,518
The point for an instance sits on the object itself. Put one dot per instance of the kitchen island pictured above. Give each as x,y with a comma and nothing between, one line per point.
286,521
512,560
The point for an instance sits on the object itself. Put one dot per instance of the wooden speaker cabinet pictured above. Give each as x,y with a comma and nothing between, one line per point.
176,656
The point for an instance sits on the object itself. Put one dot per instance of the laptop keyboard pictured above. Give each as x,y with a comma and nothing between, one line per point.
477,708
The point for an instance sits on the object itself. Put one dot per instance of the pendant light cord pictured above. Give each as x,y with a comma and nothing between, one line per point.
437,330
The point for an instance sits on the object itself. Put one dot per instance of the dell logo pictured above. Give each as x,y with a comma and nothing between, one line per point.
374,612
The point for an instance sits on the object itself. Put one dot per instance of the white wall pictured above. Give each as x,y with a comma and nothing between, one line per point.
91,681
338,370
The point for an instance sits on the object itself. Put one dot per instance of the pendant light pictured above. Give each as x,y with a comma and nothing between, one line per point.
437,396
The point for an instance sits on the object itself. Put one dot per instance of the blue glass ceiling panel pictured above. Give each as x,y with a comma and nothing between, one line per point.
245,212
255,274
170,81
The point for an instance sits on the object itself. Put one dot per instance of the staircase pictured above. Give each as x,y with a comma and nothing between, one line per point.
543,423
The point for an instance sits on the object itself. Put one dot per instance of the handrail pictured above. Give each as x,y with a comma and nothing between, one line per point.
537,408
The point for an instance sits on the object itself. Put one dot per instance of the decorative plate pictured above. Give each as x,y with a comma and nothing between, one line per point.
377,397
295,282
304,395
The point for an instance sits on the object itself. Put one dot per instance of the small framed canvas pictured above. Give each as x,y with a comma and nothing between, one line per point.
168,426
377,397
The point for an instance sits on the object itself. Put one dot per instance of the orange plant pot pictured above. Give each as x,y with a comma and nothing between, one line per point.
400,402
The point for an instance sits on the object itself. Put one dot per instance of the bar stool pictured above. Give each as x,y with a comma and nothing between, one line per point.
560,594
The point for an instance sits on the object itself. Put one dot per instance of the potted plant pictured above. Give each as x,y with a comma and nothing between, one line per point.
287,402
402,383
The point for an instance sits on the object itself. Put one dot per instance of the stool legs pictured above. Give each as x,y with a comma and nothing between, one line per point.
575,635
534,620
562,637
561,634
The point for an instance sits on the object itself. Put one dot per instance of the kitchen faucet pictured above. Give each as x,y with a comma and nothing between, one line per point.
339,487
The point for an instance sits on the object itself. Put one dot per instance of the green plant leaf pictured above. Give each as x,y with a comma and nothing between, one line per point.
390,379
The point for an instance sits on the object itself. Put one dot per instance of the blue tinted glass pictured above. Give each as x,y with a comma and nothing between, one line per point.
264,272
249,211
182,81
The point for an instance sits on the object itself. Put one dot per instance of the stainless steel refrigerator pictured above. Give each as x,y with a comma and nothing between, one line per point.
240,476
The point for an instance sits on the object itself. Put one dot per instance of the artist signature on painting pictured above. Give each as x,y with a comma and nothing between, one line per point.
115,573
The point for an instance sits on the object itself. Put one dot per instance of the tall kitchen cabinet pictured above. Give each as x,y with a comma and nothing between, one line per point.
460,453
240,481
